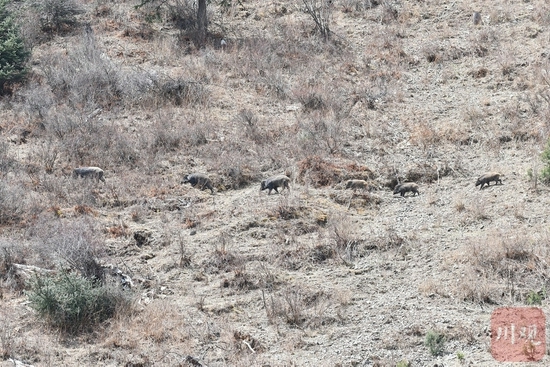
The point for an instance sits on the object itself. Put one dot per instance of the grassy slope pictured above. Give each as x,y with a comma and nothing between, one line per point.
317,275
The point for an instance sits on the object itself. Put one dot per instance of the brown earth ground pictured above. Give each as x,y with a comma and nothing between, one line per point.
318,275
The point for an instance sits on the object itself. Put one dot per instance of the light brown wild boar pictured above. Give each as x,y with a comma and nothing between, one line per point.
274,182
406,187
488,178
89,172
357,184
199,179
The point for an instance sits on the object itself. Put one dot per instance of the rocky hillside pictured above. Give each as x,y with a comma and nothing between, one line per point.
318,275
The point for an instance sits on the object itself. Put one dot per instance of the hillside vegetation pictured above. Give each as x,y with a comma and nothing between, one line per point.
145,270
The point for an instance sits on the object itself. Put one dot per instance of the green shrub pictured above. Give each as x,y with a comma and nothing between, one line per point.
13,54
545,173
435,342
72,303
535,298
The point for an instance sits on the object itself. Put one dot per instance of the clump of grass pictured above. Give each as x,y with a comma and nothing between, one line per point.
435,342
545,173
535,298
222,259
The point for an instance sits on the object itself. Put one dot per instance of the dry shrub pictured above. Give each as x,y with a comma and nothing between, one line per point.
341,231
426,135
320,12
418,172
11,254
323,132
84,137
478,209
320,172
77,243
222,259
182,91
322,252
167,133
459,204
291,259
46,155
157,323
541,14
479,73
297,306
84,77
261,134
287,207
482,41
238,176
57,16
15,203
242,280
139,32
508,264
350,6
392,240
238,168
311,100
7,160
138,213
473,288
260,59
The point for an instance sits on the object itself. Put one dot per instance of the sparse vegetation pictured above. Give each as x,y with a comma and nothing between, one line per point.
435,342
322,92
535,298
545,173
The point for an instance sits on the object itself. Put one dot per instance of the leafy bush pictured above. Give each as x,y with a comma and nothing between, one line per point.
13,54
545,173
535,298
72,303
435,342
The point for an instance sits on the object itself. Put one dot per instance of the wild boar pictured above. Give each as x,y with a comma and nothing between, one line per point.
488,178
89,172
357,184
406,187
476,18
199,179
275,182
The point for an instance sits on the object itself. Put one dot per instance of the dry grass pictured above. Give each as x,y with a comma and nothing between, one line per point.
393,92
516,260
